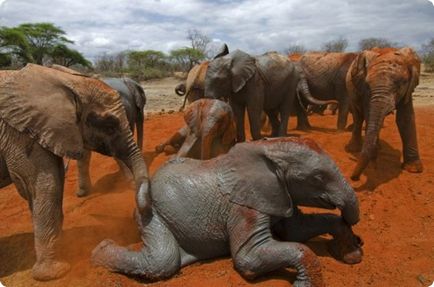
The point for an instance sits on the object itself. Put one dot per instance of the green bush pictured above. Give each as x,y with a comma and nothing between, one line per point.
428,60
148,74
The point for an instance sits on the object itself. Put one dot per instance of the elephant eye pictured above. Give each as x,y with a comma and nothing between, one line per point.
318,178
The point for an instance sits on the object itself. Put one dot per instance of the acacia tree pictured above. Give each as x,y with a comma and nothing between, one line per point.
198,40
296,49
38,43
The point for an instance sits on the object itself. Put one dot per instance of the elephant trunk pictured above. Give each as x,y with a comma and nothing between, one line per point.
136,163
378,109
206,146
180,89
350,207
304,92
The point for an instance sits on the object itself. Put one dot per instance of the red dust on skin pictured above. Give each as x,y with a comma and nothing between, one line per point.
396,218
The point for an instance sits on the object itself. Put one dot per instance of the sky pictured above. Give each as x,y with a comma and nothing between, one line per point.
255,26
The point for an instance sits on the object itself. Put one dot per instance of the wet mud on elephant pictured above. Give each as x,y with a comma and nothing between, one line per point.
244,203
209,131
379,82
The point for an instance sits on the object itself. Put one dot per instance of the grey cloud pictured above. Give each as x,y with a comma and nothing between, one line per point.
256,26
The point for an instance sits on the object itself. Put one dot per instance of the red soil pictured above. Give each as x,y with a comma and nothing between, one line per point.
397,215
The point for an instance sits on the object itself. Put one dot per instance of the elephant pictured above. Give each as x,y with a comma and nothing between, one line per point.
209,130
326,78
380,81
268,83
193,88
243,203
45,115
133,99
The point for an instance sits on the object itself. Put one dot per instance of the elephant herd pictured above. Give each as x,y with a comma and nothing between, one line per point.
220,195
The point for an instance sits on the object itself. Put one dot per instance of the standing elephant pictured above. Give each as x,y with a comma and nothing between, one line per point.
268,83
380,81
134,100
243,203
46,114
193,88
209,130
326,76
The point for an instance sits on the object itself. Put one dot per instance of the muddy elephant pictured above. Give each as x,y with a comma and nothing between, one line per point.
326,78
209,130
244,203
133,99
380,81
45,115
268,83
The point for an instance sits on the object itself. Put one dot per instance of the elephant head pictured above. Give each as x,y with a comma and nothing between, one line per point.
194,87
229,74
273,175
385,79
67,113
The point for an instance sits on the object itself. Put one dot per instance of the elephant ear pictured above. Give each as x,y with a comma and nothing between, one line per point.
138,92
224,50
40,102
359,69
243,68
256,181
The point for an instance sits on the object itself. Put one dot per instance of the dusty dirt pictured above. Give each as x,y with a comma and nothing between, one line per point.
397,213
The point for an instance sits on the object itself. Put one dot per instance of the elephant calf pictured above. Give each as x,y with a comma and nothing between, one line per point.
243,203
209,130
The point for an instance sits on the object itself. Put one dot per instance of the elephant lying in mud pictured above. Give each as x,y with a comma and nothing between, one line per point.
46,114
380,81
243,203
209,130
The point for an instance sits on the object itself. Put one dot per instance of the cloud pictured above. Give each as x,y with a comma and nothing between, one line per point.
256,26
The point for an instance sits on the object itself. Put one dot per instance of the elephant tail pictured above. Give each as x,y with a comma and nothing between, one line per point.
303,92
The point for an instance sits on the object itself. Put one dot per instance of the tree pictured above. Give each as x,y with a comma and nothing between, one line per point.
36,43
198,40
147,58
296,49
65,56
186,57
428,55
337,45
369,43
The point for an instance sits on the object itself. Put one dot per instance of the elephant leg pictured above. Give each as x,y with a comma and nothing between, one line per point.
343,110
255,252
275,123
355,144
175,141
39,177
239,111
405,120
345,246
84,183
302,119
5,178
284,118
158,259
254,112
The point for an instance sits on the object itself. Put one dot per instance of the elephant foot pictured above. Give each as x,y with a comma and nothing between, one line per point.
101,254
49,270
353,146
413,167
82,192
347,249
303,127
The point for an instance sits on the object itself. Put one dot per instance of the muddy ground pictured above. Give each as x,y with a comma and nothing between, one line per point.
397,211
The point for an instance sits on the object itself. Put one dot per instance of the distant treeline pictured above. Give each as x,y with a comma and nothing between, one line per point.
45,44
